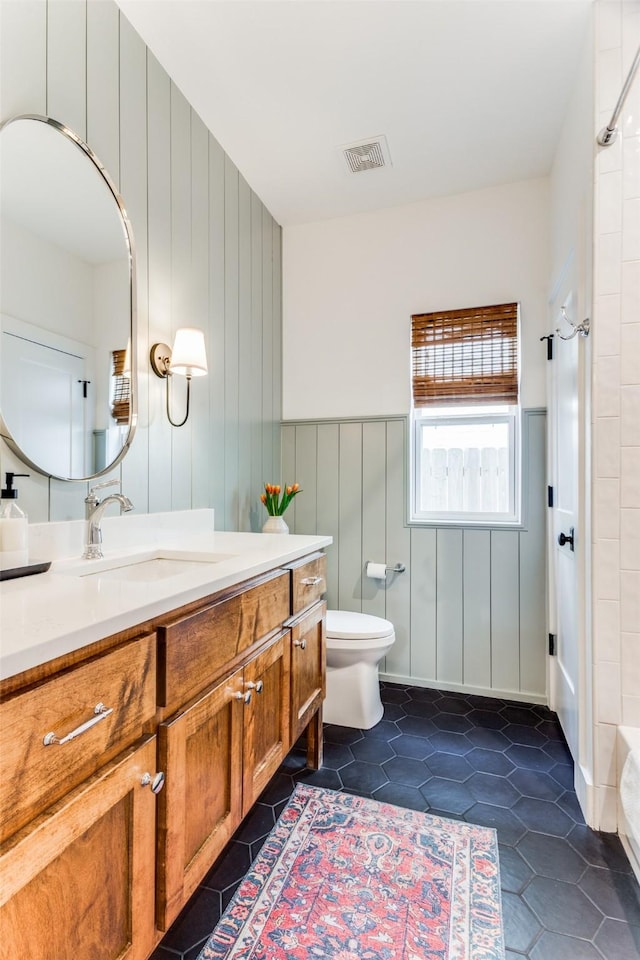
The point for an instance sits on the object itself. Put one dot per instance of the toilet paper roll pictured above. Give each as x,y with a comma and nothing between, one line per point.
377,571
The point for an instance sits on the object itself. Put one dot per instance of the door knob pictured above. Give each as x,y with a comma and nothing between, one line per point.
563,539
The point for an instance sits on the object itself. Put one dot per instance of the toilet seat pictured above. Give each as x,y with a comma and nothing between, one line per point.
349,625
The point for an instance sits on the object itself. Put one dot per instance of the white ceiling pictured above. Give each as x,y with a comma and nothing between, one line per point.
468,93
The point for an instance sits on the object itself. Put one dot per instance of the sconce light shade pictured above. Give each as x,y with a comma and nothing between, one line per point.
189,356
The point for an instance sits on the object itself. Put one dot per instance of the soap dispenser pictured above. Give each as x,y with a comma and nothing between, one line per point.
14,526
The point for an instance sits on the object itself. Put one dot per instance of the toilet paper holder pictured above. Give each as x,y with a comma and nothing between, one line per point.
396,568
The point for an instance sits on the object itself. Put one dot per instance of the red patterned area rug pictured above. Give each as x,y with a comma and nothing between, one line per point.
345,878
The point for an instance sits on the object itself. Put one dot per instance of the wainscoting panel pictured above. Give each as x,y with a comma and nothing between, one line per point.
469,612
350,516
476,573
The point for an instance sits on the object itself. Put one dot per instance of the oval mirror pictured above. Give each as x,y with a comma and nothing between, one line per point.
67,314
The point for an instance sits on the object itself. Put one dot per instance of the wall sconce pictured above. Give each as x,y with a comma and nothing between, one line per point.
188,358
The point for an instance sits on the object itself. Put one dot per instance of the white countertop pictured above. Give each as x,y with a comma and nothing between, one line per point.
49,614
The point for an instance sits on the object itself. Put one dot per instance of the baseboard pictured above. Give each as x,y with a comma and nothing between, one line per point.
519,695
586,794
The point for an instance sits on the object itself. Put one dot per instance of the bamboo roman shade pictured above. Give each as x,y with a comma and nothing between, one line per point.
121,400
465,356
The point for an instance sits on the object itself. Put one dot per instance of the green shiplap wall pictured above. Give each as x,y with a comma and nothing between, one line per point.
208,255
470,610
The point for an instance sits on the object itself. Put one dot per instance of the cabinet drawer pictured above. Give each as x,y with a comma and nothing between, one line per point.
308,582
34,775
194,650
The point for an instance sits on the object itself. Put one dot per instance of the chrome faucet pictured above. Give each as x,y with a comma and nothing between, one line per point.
93,550
91,500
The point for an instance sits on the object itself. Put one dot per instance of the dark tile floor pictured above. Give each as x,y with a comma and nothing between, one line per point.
567,893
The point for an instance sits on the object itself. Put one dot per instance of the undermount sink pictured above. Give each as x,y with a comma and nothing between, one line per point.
144,568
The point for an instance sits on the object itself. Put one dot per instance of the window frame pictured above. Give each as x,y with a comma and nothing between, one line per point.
512,415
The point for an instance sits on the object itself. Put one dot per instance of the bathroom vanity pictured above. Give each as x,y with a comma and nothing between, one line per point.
132,746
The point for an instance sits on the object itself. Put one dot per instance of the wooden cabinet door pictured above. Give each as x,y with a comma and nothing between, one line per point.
266,717
201,750
79,882
308,671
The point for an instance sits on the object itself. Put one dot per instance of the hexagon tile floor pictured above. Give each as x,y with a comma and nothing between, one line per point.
567,893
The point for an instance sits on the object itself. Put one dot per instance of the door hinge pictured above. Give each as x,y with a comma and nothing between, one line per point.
552,644
549,496
549,339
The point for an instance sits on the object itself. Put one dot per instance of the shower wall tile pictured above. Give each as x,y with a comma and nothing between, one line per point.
630,300
630,603
606,754
607,451
607,508
607,386
606,569
608,79
610,25
631,706
630,229
630,121
630,644
630,357
630,32
607,630
608,693
630,477
607,812
630,415
609,202
607,335
631,167
630,540
608,263
616,451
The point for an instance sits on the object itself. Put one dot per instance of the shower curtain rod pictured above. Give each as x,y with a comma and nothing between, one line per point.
609,133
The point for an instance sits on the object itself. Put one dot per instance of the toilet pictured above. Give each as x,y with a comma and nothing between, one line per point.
356,643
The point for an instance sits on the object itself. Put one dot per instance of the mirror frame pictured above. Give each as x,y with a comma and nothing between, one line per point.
133,325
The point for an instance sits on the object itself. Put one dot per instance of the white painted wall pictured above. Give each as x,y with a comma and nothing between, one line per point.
351,284
63,297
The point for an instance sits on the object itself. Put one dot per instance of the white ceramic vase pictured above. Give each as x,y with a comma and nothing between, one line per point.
275,525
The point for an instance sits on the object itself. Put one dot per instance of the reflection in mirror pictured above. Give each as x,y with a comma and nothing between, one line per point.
67,324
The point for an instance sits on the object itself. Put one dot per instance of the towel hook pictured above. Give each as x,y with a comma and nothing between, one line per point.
581,328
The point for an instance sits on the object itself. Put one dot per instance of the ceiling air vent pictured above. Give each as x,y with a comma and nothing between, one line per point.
367,155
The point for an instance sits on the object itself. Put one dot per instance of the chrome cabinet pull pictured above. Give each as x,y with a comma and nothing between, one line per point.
156,783
300,643
100,711
311,581
243,696
258,686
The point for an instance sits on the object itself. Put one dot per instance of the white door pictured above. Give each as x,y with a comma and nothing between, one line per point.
54,434
564,532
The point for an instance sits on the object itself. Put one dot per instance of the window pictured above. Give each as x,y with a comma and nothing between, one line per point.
465,438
